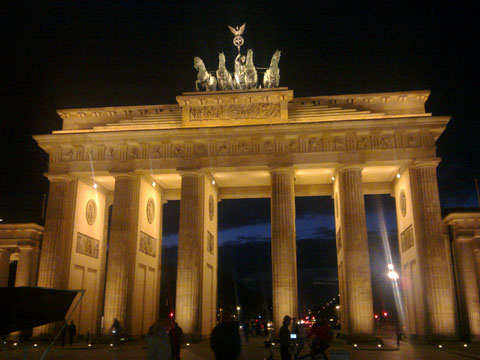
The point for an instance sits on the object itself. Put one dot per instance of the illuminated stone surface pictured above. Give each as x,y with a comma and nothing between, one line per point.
237,138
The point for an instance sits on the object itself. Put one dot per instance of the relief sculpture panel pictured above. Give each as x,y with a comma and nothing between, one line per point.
235,112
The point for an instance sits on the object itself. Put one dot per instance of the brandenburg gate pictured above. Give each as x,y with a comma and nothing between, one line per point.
231,144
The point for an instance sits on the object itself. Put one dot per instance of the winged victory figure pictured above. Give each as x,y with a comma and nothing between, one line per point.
238,30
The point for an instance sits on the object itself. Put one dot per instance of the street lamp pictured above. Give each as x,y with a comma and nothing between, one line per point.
392,274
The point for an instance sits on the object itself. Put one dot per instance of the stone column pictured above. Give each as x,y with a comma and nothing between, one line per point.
284,254
357,278
433,253
469,286
190,242
25,265
121,252
476,256
4,267
57,238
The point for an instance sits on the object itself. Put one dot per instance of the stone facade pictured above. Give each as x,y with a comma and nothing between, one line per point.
241,144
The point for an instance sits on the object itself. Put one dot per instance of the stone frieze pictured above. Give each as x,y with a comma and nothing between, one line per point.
235,112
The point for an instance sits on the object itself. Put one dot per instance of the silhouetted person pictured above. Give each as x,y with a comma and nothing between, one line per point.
225,338
159,342
115,330
72,331
322,335
246,329
285,339
176,340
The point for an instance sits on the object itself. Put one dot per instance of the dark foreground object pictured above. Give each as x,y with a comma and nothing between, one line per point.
27,307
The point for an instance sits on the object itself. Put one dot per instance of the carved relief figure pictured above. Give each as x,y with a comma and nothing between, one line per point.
272,75
204,78
224,78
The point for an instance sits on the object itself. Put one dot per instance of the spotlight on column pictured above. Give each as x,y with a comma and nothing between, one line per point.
398,176
153,184
393,275
333,178
95,186
390,266
213,182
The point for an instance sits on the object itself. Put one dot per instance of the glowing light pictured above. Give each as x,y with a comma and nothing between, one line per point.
153,184
35,345
89,345
94,186
337,307
213,182
333,178
379,345
465,345
355,345
393,275
188,344
375,316
273,344
390,266
15,344
111,344
331,319
440,346
113,331
385,314
171,314
1,220
238,308
398,176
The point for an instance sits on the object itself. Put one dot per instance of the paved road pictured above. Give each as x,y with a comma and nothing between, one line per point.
252,351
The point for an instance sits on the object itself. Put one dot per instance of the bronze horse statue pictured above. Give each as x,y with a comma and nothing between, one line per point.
224,78
251,77
272,75
204,78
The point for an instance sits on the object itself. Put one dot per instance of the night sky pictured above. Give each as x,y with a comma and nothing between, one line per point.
69,54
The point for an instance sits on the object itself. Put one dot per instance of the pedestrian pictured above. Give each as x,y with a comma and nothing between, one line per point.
321,335
398,333
225,338
285,351
176,340
246,330
159,342
116,329
72,331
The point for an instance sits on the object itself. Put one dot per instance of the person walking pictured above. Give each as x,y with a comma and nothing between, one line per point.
72,331
159,342
246,330
176,339
285,351
225,338
322,336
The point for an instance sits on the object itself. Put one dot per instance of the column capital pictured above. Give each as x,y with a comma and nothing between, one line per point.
350,167
432,162
125,175
190,172
281,168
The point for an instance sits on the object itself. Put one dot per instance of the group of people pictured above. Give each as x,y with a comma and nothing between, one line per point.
164,339
319,337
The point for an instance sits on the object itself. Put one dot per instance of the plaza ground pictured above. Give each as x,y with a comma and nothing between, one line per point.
254,349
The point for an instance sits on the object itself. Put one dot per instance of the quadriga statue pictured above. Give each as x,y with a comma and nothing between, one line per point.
272,75
251,77
204,78
224,78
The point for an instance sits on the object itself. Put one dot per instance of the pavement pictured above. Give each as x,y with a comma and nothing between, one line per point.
254,350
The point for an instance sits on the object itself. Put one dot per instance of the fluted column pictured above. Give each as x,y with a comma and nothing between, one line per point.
469,286
121,252
25,266
284,254
476,256
357,276
190,240
4,267
57,238
434,255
